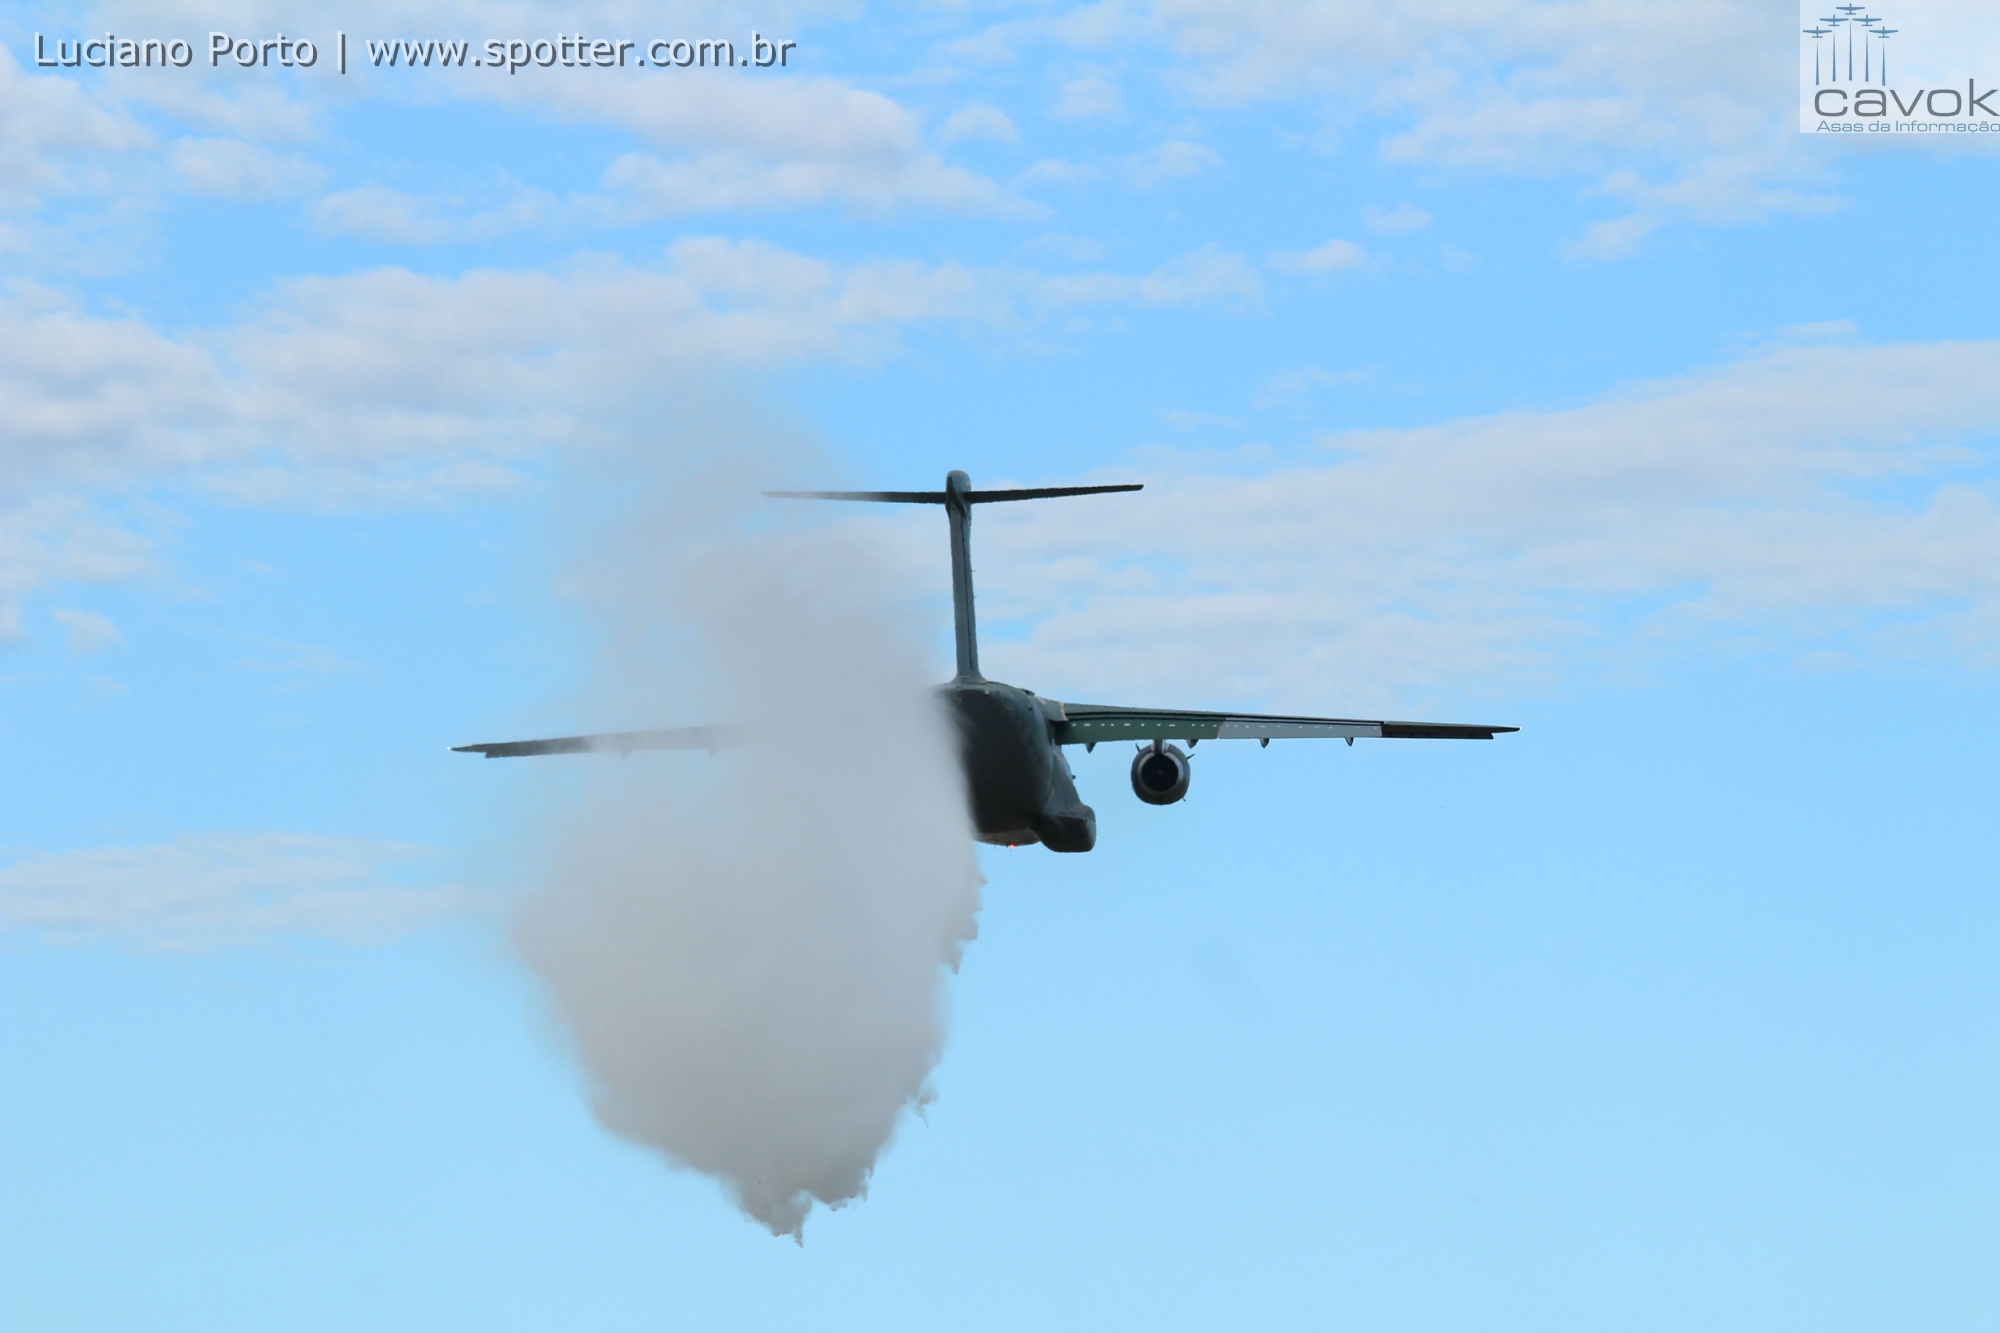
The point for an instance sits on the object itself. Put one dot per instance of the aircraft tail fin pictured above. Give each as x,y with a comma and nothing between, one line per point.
958,497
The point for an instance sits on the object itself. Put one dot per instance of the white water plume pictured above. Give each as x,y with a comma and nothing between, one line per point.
749,950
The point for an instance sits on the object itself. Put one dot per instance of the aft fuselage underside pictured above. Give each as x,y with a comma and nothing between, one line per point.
1017,783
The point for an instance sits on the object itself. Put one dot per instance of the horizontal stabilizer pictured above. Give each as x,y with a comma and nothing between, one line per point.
611,742
940,497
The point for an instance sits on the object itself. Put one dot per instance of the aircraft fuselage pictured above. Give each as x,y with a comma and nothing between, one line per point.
1017,781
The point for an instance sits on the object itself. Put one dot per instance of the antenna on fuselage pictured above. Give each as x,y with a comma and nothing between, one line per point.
958,497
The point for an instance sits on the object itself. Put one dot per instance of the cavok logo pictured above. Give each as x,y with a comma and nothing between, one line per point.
1858,75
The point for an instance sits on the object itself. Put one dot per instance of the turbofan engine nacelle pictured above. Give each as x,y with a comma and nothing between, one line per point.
1160,774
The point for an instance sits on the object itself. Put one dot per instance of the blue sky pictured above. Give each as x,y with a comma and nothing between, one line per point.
1507,362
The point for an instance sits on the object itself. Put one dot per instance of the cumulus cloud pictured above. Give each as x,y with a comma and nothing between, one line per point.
1822,486
389,387
708,140
1613,238
88,631
1820,330
716,141
1208,276
1173,160
392,371
784,143
1686,116
1090,97
239,170
1289,387
213,890
84,398
1833,495
55,137
1328,257
398,217
88,154
978,121
386,369
641,185
61,539
1401,218
719,141
380,213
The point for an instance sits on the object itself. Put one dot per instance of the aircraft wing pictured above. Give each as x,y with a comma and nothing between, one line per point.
1087,724
610,742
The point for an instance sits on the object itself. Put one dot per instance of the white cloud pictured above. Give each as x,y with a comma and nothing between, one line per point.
86,398
88,631
1056,169
1687,116
380,213
383,368
1401,218
1088,98
387,370
1187,420
1076,249
766,142
214,890
54,136
978,121
235,169
1330,257
1206,277
640,185
65,140
246,107
60,539
1678,115
712,141
1614,238
1290,386
391,387
1820,330
1174,160
1826,495
1675,115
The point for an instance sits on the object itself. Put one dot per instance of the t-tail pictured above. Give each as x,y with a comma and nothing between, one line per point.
958,497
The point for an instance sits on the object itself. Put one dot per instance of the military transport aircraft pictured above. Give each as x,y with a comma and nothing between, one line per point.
1010,739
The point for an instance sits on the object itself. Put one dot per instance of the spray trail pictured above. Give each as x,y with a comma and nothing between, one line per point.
749,950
